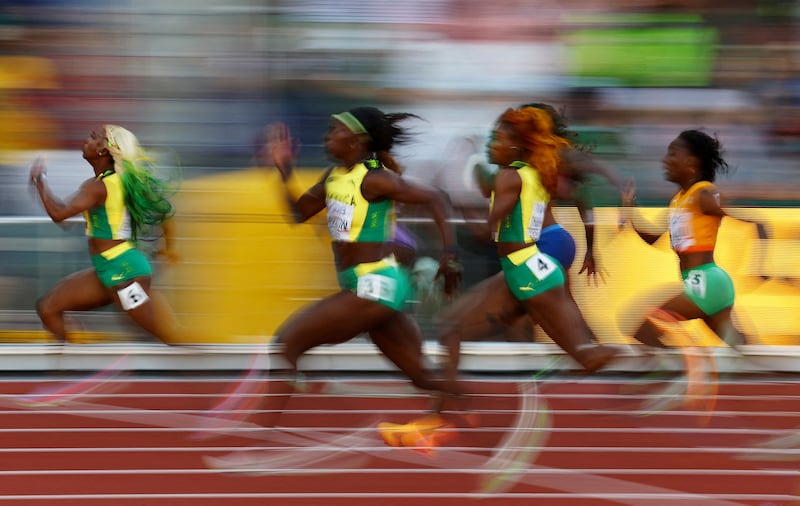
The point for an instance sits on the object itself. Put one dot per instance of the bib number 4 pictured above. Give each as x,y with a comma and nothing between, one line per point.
541,266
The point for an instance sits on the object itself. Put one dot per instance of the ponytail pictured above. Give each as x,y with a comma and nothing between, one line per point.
146,196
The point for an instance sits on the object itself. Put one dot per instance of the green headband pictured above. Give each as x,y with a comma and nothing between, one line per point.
351,122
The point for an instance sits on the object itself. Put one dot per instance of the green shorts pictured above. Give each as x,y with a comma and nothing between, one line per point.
529,272
383,281
709,287
120,264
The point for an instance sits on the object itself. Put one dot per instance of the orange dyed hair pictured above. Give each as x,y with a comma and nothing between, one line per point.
534,130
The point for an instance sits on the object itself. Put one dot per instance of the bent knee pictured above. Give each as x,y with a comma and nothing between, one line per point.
45,307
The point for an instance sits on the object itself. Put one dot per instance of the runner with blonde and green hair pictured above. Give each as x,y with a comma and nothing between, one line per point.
122,200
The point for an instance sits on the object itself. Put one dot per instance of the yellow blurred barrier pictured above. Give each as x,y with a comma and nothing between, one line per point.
245,268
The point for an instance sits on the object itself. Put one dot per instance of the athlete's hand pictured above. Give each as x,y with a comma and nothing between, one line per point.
592,271
38,172
628,197
628,194
282,148
450,268
170,255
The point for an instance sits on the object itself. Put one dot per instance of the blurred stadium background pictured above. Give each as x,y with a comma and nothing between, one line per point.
197,80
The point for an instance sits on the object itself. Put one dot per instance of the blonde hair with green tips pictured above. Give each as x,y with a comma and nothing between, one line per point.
146,196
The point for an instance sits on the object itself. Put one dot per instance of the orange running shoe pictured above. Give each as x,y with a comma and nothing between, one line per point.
391,432
422,435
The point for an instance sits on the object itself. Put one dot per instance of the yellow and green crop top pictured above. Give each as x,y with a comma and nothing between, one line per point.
110,220
690,230
524,223
351,218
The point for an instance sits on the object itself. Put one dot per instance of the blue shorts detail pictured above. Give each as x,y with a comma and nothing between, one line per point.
556,242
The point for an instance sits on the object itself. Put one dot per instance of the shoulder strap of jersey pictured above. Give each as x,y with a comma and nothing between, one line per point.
373,164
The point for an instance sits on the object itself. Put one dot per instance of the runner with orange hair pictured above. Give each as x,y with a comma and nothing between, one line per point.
526,148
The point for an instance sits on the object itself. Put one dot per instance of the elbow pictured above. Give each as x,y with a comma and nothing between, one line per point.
57,217
298,217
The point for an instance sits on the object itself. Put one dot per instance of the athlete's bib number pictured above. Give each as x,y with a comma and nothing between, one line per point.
132,296
695,283
541,266
340,219
537,219
680,230
376,287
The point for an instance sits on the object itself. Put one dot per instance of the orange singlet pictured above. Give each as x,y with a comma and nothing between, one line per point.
690,230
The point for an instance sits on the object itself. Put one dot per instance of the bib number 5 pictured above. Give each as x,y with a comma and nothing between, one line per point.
132,296
695,283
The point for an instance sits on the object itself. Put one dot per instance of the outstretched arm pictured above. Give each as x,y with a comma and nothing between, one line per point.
168,251
582,163
710,204
628,203
388,185
91,194
578,165
282,148
484,175
586,213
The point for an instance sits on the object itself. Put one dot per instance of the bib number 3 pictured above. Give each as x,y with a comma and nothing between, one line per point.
376,287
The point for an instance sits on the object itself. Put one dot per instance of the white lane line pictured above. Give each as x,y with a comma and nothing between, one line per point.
578,482
662,499
408,470
439,450
791,435
83,408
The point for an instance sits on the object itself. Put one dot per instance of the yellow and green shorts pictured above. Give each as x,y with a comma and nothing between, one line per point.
119,264
529,272
383,281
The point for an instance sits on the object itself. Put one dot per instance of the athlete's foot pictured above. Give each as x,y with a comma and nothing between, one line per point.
449,398
396,434
595,356
426,442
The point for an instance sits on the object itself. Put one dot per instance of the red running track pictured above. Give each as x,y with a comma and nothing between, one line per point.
577,441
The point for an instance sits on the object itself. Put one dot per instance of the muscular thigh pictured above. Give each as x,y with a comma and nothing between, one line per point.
77,292
333,319
132,296
489,301
400,334
681,305
555,311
